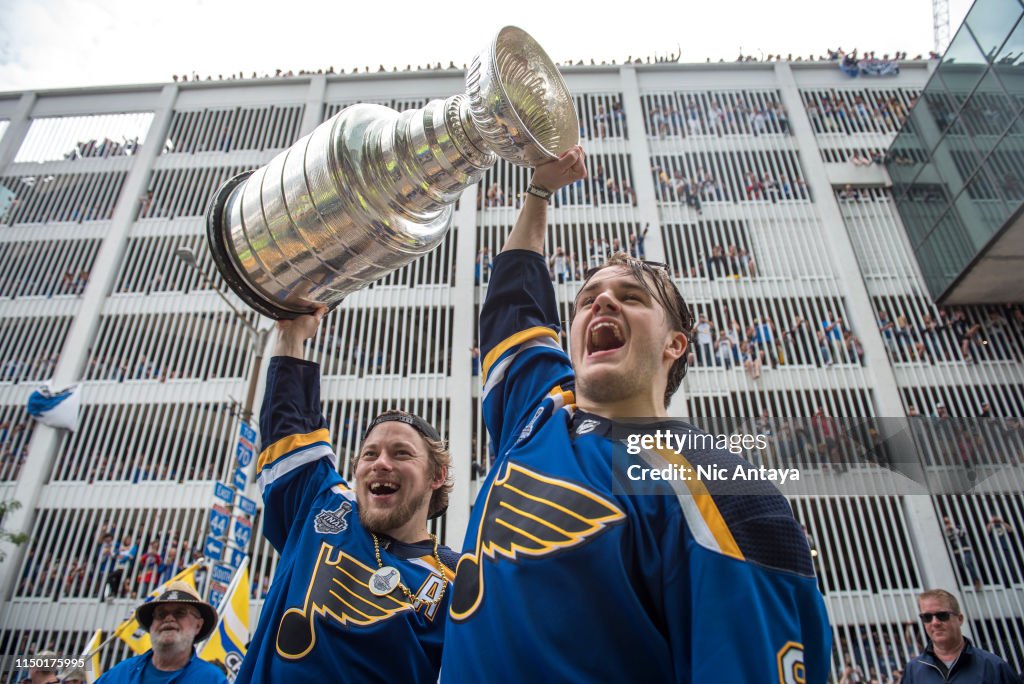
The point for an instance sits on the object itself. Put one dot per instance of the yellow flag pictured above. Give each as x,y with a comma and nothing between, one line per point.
132,633
92,653
227,643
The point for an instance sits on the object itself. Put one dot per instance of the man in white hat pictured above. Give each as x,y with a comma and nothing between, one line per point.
176,620
43,673
75,676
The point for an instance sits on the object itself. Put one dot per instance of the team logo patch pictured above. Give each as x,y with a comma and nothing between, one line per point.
587,426
233,661
332,522
528,514
791,664
338,590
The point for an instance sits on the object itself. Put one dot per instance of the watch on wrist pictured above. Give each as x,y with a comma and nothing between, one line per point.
538,191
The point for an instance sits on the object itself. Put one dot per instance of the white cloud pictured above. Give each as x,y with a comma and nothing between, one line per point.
57,43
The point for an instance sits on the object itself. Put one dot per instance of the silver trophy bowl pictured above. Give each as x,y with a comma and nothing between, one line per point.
371,189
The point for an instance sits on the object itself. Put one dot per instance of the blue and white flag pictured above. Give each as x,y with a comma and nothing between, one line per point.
58,409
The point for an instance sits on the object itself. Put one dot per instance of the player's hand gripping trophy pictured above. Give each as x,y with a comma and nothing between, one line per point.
370,189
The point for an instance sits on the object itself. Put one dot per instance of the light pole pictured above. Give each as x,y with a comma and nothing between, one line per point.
256,336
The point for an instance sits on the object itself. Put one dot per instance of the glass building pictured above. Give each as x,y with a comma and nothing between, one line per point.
957,165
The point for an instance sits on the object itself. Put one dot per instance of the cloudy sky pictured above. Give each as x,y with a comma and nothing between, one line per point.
69,43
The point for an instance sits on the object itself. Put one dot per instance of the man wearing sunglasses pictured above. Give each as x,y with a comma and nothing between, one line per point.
949,655
571,572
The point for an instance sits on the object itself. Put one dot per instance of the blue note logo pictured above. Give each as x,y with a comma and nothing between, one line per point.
528,515
332,522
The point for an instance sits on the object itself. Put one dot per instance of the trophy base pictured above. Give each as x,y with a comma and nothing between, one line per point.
217,241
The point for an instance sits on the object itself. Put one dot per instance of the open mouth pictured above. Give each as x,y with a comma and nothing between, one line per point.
382,489
604,336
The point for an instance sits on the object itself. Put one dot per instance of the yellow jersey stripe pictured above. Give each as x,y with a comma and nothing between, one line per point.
706,506
518,338
561,397
449,573
286,445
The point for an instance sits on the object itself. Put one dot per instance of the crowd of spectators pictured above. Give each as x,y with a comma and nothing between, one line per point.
72,282
732,262
671,58
141,368
866,655
611,122
965,443
600,188
831,113
17,370
101,468
703,186
14,440
997,538
879,157
121,564
725,114
952,335
757,344
836,55
987,334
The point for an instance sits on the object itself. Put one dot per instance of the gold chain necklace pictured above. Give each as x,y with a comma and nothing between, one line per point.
386,579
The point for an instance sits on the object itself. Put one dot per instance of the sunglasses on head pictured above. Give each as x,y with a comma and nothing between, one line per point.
644,263
942,615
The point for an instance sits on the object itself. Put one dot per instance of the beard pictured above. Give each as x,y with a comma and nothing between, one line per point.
172,642
605,386
382,521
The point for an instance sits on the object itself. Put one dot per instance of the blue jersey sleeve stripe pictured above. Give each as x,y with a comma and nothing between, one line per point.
519,338
498,372
292,443
296,459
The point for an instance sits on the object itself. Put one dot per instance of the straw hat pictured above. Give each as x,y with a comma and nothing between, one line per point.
179,592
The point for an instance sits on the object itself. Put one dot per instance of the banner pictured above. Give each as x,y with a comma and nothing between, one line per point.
56,409
227,643
92,653
131,632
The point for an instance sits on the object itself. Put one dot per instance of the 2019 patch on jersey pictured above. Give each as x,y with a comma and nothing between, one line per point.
528,514
332,522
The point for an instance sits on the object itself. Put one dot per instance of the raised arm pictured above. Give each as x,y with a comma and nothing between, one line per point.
292,335
296,456
528,232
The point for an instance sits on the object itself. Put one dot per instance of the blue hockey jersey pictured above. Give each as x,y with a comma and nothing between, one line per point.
320,622
568,574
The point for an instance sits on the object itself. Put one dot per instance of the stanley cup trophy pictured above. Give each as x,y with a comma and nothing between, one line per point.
370,189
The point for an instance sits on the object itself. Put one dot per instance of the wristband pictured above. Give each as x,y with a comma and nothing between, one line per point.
538,191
